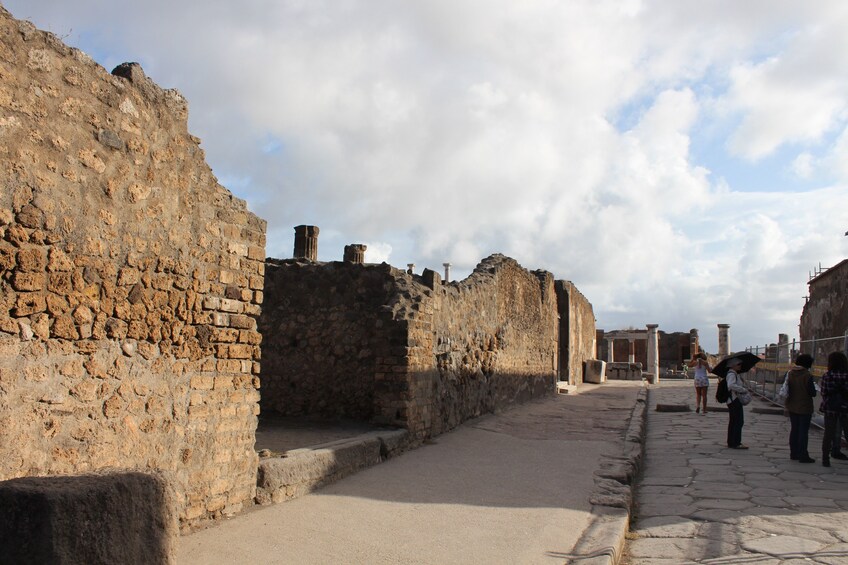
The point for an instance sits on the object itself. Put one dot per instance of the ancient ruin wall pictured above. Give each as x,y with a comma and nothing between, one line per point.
325,326
825,313
372,342
492,342
130,281
577,332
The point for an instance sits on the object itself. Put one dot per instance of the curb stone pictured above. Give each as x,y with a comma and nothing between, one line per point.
602,542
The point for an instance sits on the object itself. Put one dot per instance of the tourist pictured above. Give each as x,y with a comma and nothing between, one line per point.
799,405
834,385
735,388
702,381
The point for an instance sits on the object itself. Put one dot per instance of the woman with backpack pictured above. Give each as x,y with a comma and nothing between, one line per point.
834,404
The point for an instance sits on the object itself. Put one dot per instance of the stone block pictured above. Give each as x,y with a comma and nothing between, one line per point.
595,371
123,518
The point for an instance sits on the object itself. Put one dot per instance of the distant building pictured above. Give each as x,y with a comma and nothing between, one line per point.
825,315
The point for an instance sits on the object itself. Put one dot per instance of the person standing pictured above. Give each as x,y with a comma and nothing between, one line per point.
834,385
735,386
702,381
799,406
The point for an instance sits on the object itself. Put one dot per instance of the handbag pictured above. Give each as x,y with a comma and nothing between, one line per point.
744,397
783,393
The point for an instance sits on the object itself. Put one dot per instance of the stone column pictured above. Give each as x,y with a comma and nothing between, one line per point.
723,340
610,350
653,352
447,271
355,253
694,343
306,242
631,356
782,348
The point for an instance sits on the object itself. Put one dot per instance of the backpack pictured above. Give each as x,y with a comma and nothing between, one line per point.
722,393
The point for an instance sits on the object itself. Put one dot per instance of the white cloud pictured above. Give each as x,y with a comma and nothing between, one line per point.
559,133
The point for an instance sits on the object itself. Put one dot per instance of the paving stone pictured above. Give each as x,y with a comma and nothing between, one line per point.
723,504
646,510
692,549
772,501
783,546
667,527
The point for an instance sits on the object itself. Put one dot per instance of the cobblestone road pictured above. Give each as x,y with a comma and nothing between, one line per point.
700,502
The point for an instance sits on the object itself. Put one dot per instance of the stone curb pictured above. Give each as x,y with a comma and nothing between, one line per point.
301,471
602,543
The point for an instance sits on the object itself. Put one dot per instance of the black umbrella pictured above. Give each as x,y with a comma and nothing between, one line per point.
748,361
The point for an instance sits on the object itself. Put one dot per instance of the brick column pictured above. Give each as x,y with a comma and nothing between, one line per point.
723,340
694,343
355,253
306,242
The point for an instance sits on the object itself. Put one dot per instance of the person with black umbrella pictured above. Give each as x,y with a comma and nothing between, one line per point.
738,395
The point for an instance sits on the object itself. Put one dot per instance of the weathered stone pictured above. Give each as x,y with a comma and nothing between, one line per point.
119,518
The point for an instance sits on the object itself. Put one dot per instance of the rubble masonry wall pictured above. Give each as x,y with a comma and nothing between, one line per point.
130,283
341,335
577,331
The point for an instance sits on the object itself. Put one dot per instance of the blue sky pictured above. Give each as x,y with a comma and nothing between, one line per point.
682,163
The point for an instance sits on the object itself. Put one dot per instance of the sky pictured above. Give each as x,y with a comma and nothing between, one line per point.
683,163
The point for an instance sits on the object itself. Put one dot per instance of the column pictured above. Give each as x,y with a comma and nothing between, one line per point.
653,353
782,348
355,253
631,356
306,242
694,343
447,271
610,350
723,340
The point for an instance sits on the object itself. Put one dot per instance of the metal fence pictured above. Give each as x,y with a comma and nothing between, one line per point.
767,376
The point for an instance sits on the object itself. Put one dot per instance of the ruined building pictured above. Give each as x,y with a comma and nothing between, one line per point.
825,314
136,302
376,343
130,283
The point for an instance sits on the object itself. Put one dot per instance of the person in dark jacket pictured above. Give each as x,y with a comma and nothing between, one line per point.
799,406
834,387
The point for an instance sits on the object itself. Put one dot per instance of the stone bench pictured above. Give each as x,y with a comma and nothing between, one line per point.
301,471
126,518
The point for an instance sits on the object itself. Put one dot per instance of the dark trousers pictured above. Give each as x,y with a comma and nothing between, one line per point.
833,421
734,426
836,448
798,435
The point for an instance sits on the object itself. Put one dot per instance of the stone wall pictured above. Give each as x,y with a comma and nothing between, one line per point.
825,313
373,342
577,332
325,326
480,344
130,281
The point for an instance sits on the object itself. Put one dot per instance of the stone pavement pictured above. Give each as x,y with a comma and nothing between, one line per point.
545,482
700,502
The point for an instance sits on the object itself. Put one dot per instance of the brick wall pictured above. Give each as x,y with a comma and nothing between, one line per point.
825,313
372,342
130,283
577,332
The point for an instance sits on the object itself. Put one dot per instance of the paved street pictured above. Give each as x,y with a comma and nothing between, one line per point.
515,487
699,502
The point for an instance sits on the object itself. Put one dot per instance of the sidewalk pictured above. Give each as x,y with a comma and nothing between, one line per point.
699,502
544,482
